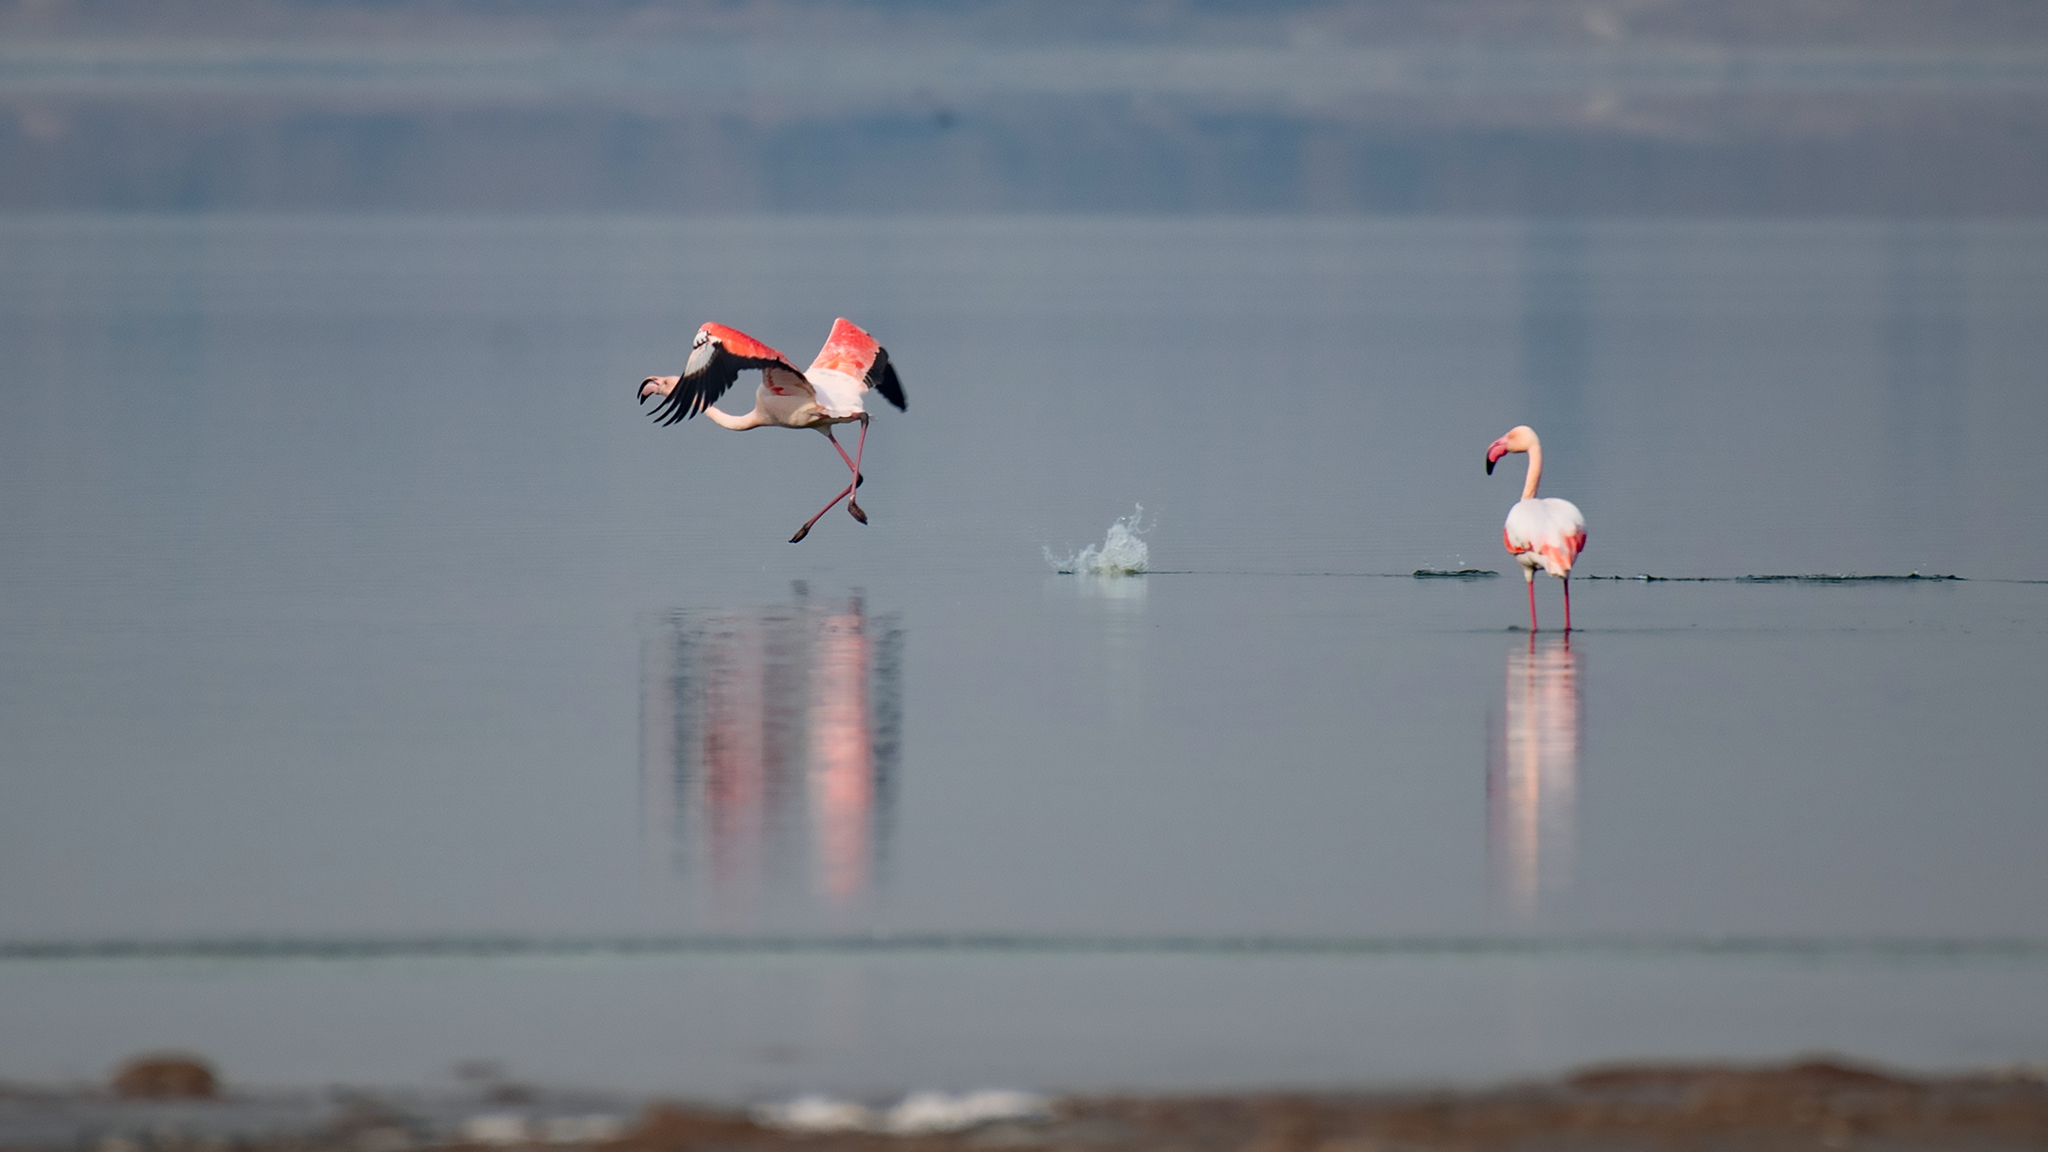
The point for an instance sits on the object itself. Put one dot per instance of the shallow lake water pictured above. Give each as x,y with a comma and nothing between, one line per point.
372,670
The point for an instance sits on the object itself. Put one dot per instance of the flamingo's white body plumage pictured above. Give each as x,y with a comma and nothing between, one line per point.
1545,533
833,390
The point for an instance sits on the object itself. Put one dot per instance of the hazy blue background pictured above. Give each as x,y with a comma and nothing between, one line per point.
347,601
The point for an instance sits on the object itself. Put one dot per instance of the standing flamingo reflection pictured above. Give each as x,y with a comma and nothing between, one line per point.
768,752
1550,532
1532,776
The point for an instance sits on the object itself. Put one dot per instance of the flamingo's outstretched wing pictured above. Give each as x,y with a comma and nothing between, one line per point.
717,357
854,353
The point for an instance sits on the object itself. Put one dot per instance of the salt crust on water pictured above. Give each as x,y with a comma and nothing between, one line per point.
915,1114
1123,551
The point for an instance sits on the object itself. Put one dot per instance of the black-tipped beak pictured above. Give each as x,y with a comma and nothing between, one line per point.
1489,465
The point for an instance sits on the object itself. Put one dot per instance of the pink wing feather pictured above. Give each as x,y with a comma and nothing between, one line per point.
745,347
853,352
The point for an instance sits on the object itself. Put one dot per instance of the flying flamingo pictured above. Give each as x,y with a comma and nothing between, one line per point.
832,391
1550,533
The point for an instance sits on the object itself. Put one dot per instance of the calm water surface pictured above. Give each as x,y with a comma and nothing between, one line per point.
347,601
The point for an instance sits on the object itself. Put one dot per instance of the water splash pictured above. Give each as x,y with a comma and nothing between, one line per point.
1123,551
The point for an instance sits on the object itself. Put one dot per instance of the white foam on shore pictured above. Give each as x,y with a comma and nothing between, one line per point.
919,1113
1123,551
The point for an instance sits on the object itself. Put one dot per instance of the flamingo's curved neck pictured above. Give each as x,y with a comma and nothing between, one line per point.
1535,471
725,419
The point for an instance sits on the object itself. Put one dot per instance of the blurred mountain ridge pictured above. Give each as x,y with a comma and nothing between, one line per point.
1501,107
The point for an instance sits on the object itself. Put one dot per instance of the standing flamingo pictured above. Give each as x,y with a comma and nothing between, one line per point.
832,391
1550,532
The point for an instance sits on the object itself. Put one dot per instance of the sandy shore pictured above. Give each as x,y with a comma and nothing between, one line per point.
1808,1105
1815,1104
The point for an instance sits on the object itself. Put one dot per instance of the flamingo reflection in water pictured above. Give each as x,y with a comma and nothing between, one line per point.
769,743
1532,779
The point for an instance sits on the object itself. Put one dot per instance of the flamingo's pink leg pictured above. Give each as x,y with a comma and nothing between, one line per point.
806,529
1567,602
853,505
852,463
858,479
1532,603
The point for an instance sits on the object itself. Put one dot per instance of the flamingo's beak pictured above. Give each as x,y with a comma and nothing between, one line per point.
1494,452
658,386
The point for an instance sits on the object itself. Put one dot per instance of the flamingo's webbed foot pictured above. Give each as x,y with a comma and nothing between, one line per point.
800,534
854,508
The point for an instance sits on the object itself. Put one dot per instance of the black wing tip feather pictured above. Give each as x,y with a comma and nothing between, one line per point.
693,394
888,385
680,408
680,404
